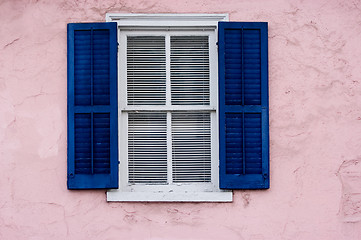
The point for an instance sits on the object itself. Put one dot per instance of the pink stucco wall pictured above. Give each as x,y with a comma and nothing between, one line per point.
315,128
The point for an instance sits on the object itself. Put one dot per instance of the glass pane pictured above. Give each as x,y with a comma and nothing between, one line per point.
146,70
147,147
191,147
189,70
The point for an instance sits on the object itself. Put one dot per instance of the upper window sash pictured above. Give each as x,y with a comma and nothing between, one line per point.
168,106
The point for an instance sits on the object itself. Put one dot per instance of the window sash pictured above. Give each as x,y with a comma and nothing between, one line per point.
168,106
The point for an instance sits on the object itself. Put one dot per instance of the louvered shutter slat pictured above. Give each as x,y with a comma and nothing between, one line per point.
101,67
92,106
243,105
252,70
82,67
82,143
253,143
101,153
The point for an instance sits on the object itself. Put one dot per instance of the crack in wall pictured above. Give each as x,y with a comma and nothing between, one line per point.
11,43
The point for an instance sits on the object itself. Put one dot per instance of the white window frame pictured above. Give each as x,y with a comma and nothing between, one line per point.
161,24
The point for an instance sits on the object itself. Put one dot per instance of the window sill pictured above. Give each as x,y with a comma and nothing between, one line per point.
119,196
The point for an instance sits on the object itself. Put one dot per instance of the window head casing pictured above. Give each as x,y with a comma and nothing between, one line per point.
168,145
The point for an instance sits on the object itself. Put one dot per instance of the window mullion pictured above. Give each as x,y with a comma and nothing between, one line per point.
169,148
169,114
167,62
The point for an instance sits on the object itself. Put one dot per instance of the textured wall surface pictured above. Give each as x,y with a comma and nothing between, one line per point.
315,128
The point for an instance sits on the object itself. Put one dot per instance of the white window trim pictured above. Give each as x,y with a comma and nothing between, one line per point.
166,20
203,192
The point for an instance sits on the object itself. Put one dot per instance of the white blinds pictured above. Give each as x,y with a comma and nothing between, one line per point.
147,147
166,145
188,65
189,70
191,147
146,70
190,142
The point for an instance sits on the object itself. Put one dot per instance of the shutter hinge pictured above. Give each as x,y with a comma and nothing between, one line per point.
117,47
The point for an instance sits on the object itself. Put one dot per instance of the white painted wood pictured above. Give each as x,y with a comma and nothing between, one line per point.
169,108
122,70
169,148
167,61
214,102
167,20
116,195
123,150
214,149
213,69
122,116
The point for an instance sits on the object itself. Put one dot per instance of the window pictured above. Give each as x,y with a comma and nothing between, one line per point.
167,105
187,128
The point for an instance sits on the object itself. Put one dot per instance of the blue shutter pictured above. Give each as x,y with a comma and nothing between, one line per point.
243,105
92,106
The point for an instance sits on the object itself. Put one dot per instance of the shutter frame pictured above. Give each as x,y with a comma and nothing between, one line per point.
244,180
95,179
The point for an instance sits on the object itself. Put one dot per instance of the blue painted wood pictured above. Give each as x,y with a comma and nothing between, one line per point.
243,105
92,106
